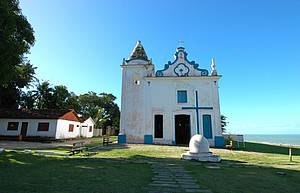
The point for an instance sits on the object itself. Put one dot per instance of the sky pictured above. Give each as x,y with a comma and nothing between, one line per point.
256,46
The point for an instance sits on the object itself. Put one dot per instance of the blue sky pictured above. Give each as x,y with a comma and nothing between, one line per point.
256,45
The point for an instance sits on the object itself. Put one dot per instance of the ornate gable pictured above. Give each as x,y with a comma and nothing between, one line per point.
181,66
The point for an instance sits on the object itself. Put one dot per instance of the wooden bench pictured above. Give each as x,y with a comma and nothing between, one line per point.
106,140
77,147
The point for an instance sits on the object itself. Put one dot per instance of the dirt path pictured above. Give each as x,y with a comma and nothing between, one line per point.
39,145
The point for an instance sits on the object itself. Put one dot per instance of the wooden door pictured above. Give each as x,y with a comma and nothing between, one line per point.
182,129
24,129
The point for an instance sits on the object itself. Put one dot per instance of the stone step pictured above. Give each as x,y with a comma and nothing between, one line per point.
164,182
165,190
162,179
199,190
165,185
194,186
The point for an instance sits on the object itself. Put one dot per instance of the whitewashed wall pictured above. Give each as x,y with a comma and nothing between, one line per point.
63,129
58,129
32,127
144,95
158,95
85,128
134,103
162,92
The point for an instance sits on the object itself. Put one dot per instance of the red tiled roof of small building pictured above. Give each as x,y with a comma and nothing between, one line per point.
35,114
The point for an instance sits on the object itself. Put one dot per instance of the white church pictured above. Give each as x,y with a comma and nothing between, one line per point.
171,105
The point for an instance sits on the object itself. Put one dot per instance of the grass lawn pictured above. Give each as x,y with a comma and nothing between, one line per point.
127,169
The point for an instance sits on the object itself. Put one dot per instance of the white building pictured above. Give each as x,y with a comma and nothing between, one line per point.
168,106
87,127
50,124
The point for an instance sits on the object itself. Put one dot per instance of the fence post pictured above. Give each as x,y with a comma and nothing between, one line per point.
290,154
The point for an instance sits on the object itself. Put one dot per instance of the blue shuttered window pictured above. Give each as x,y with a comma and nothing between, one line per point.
181,96
207,127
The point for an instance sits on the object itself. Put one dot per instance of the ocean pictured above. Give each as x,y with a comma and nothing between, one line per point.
276,139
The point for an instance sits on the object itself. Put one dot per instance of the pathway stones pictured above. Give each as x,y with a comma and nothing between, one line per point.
169,178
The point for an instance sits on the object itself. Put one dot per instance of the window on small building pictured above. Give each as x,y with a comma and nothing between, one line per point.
182,96
43,126
91,129
12,126
158,126
71,127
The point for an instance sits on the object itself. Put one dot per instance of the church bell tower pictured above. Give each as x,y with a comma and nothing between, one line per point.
134,94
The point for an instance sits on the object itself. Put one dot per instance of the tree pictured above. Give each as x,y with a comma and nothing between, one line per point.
73,103
27,100
44,96
111,109
107,101
10,94
101,108
47,97
89,104
100,118
60,97
16,38
223,123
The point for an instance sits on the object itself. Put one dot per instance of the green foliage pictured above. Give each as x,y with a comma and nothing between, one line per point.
100,118
89,104
16,38
16,73
27,100
44,96
101,107
223,123
9,96
72,102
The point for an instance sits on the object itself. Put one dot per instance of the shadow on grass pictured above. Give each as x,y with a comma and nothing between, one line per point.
268,148
110,147
132,174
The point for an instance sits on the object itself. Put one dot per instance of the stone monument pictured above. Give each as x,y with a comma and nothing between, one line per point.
199,150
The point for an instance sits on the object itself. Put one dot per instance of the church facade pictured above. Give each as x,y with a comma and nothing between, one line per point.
170,105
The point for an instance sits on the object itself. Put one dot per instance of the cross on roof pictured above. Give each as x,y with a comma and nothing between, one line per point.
181,43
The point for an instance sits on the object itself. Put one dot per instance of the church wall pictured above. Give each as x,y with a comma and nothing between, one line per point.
146,93
133,103
157,95
164,101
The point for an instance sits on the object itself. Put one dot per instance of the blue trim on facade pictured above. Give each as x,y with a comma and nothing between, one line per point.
185,74
148,139
197,108
160,73
219,141
121,139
